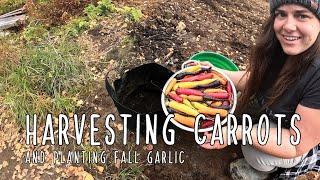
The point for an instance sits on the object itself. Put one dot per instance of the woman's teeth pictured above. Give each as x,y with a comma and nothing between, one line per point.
291,38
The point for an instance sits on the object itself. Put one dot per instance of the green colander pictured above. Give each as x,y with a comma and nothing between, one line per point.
215,59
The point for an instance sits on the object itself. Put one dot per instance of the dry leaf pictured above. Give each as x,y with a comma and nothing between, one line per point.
5,164
119,126
117,164
56,121
80,102
18,168
87,176
18,146
24,172
100,168
46,166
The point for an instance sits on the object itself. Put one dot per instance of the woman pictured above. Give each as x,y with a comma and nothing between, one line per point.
284,78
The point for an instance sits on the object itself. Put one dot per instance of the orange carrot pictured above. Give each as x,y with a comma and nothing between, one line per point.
219,95
189,121
213,111
217,90
195,98
217,103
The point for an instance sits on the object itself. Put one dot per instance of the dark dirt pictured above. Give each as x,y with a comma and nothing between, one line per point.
169,33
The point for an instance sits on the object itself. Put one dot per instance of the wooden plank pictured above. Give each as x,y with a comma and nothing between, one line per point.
13,13
9,22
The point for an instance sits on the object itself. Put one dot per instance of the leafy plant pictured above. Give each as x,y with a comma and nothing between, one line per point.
103,8
132,13
76,26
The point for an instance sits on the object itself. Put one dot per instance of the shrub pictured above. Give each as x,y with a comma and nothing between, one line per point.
57,12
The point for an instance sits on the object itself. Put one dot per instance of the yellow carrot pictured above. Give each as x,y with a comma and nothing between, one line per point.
193,68
198,105
187,102
189,121
213,111
183,108
170,86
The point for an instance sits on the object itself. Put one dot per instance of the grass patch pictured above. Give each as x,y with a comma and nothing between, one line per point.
76,26
47,79
132,172
46,74
35,32
10,5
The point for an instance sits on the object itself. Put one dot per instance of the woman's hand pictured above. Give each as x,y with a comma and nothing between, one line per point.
239,78
216,144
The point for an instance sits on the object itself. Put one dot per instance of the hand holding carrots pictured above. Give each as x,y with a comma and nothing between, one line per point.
198,89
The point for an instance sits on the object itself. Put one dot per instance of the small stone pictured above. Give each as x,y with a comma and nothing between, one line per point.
181,26
5,164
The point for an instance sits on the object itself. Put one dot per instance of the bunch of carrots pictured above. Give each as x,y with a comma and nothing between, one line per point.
198,90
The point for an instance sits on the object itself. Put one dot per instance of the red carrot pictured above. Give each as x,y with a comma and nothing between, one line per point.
206,124
199,77
189,92
174,96
229,88
218,95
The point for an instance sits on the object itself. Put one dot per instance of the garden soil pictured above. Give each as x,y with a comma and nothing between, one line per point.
169,33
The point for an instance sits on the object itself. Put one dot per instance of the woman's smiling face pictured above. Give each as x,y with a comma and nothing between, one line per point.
296,28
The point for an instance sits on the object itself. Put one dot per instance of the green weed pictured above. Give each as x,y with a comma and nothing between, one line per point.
103,8
132,13
48,79
132,172
10,5
76,27
35,32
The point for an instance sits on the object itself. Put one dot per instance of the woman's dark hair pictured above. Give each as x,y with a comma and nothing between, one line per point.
270,67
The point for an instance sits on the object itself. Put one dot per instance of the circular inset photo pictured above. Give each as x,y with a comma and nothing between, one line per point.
199,88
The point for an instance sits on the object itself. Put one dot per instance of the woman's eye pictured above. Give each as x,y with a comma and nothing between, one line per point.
302,16
280,14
